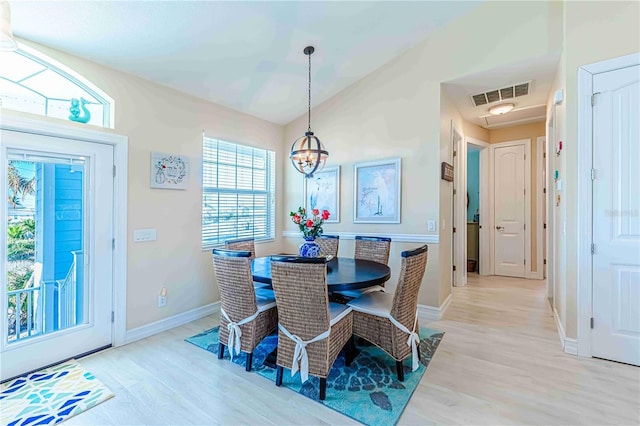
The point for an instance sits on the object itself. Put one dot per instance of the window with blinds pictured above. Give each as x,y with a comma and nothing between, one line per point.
238,192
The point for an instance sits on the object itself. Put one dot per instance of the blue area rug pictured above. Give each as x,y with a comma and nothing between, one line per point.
367,391
50,396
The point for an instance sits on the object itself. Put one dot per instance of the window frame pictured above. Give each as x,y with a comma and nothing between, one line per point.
70,75
269,191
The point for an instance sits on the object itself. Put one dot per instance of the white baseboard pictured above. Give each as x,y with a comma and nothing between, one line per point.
145,331
569,345
431,313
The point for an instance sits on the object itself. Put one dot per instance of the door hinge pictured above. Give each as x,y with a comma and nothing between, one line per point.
593,98
525,156
525,191
593,174
454,229
525,226
545,226
114,170
455,153
113,244
454,268
544,262
544,155
593,248
113,316
544,190
591,323
455,192
525,261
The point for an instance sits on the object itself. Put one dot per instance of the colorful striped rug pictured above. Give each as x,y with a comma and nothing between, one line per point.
366,391
50,396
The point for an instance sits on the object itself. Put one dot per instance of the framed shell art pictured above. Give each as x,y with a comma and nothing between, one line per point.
169,171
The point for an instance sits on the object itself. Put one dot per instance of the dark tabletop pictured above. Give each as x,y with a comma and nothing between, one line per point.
343,273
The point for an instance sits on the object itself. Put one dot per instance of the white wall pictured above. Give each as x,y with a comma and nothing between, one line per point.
156,118
396,112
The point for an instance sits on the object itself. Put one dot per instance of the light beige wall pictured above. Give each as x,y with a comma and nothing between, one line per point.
594,31
526,131
156,118
476,132
396,112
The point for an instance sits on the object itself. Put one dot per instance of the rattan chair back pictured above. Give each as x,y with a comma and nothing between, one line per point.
373,248
300,286
243,244
235,281
328,245
405,299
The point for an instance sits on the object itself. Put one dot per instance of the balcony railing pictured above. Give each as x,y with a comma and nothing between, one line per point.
45,306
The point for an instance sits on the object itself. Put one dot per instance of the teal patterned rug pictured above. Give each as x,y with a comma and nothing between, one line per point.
50,396
367,391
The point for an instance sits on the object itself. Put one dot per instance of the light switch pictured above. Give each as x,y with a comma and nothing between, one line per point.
431,225
142,235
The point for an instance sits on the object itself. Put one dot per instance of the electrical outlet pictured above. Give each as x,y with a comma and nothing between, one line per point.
162,301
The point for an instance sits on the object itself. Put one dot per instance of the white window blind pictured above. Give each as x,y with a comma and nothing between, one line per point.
238,192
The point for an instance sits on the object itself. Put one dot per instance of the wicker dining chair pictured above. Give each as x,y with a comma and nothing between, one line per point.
308,325
247,314
375,249
243,244
389,320
328,245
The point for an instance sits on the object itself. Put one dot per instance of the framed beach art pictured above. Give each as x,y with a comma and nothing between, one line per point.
323,192
376,186
169,171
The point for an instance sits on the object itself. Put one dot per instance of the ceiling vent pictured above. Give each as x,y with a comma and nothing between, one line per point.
503,94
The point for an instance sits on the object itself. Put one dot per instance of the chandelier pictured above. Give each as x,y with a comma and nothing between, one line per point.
308,155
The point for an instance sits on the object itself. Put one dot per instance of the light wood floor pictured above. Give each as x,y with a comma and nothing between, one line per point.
500,362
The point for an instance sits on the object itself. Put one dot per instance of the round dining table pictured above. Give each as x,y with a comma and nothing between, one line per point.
343,273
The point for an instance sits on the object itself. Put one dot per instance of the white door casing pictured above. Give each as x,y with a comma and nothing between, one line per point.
616,215
509,207
25,355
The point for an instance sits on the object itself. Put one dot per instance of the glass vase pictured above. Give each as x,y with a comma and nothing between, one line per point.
309,248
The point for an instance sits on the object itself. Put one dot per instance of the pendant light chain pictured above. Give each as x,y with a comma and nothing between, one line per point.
309,107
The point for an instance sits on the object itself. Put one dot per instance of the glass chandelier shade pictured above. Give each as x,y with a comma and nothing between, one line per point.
308,154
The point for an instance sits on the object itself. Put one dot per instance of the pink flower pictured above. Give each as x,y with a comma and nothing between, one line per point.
309,223
296,219
325,214
316,212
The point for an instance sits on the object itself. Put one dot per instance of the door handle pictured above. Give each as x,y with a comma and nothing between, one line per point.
499,228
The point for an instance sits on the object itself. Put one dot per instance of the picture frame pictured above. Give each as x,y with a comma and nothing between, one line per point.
377,191
169,171
323,192
446,172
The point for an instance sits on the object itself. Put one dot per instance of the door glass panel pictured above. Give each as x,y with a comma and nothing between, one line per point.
47,213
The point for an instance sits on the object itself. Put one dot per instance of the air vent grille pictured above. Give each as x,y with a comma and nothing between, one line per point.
498,95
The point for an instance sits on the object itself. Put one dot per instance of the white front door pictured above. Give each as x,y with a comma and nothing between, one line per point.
509,209
616,216
56,270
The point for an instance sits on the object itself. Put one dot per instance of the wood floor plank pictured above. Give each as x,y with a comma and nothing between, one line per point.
500,362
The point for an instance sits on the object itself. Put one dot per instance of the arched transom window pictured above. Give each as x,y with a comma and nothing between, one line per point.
31,82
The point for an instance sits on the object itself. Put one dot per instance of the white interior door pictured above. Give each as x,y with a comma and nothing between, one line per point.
57,267
509,209
616,217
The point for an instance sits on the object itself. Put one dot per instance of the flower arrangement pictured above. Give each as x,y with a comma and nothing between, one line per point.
309,226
